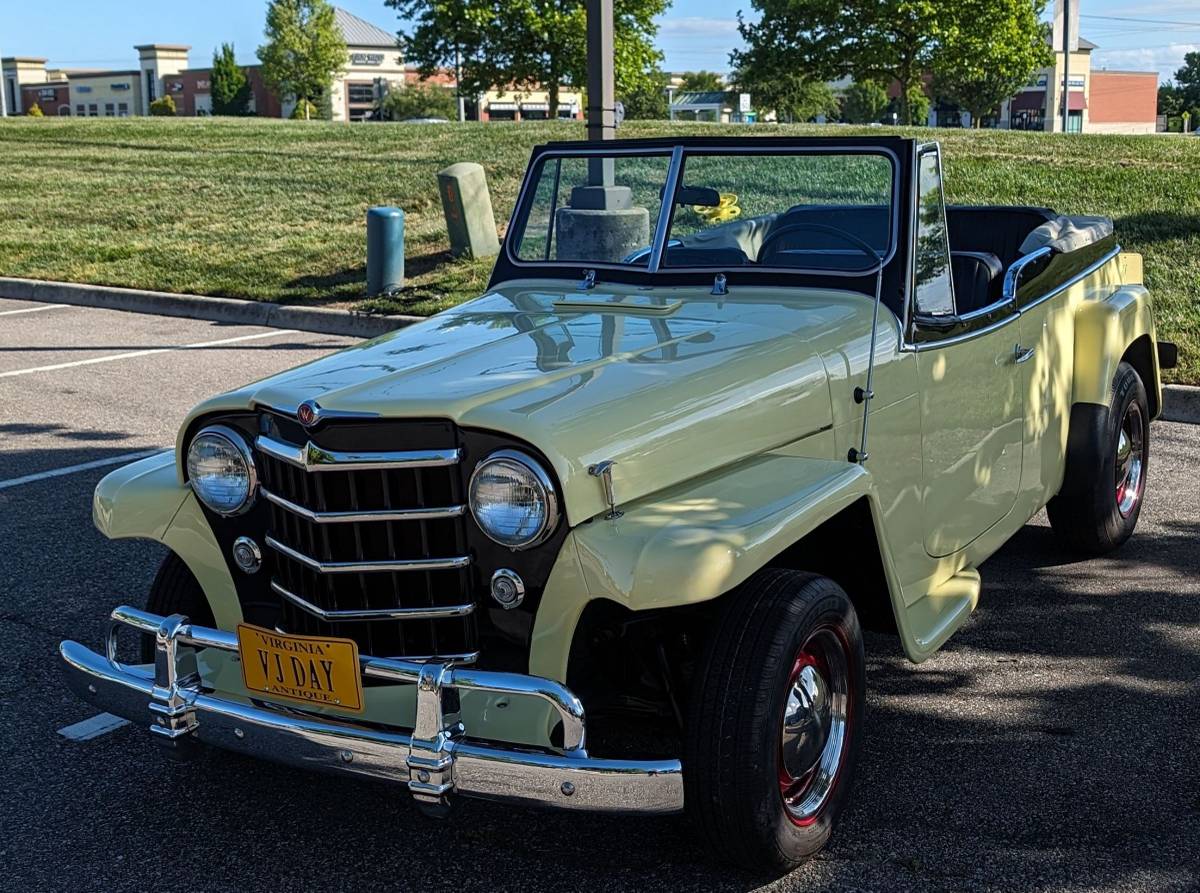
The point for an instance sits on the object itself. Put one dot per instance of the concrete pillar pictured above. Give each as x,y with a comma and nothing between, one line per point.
156,61
19,71
468,209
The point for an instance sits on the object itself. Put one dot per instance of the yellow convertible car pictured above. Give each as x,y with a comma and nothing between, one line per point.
606,537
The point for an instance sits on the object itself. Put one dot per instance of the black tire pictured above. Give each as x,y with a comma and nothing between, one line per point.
1092,513
175,590
733,767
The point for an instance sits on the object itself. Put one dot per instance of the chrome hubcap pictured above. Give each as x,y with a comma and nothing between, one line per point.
806,722
815,726
1130,464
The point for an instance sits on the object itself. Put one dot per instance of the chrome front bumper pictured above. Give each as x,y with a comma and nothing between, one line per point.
436,758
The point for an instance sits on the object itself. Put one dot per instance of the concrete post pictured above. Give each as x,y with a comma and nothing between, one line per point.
385,250
468,209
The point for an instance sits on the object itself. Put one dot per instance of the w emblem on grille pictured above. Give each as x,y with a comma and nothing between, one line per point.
308,413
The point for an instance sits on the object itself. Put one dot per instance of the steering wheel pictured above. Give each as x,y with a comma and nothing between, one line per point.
819,228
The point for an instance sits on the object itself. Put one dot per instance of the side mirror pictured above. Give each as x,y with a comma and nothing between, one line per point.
1012,278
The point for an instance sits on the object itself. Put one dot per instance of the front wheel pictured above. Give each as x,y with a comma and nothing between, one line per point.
774,724
1108,461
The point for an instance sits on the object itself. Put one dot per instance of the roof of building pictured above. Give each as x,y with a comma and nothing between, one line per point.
86,75
361,33
1084,44
166,47
1153,74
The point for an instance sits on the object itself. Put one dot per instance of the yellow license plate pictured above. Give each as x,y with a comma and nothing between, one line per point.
313,670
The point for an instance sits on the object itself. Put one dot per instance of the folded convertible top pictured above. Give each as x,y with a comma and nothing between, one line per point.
1064,234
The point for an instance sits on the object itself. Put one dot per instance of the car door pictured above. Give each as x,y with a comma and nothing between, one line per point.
971,396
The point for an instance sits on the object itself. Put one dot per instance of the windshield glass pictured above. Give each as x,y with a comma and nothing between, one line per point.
820,211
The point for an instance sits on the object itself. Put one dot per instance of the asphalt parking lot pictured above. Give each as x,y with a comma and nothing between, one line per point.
1053,745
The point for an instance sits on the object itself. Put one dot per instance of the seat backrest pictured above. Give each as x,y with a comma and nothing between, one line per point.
978,279
995,229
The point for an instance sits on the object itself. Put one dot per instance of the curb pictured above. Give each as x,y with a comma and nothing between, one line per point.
229,310
1181,403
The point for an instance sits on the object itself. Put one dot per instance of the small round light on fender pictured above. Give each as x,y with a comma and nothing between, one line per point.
508,589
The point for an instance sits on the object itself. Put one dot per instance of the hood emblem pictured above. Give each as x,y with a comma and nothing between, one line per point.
603,470
308,413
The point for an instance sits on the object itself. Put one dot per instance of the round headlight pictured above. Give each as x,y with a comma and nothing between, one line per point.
221,470
513,499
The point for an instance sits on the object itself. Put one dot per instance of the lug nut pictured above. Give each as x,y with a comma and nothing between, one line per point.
567,788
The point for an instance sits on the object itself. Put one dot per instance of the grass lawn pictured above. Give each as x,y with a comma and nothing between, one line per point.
274,210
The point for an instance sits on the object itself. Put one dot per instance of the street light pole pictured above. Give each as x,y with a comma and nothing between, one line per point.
1066,96
601,90
3,95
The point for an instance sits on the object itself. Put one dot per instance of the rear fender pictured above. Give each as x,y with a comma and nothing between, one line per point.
1104,332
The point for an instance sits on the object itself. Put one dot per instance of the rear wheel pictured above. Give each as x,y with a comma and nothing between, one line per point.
175,590
1108,460
774,725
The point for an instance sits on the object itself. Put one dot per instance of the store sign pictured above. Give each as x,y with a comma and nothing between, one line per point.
47,93
1075,82
366,58
124,86
743,102
202,85
83,89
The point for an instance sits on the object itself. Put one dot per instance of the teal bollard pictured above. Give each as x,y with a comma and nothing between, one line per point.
385,250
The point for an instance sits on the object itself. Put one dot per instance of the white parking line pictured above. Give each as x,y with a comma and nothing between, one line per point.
146,353
33,309
100,724
84,466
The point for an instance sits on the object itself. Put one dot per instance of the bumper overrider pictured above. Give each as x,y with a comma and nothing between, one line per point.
432,753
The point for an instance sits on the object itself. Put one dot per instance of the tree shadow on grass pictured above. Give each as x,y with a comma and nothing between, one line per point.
1158,226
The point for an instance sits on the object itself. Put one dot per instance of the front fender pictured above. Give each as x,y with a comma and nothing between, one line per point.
693,543
1104,330
145,500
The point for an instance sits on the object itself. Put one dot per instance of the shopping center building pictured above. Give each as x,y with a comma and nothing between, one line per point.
1097,100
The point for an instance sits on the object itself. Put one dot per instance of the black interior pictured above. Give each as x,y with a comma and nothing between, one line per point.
993,229
984,241
978,279
869,222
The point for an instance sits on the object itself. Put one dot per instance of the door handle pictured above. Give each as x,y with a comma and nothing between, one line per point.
1023,354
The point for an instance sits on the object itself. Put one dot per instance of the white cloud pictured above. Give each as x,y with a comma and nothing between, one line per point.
702,27
1163,59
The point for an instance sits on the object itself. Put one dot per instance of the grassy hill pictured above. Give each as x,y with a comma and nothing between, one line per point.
274,210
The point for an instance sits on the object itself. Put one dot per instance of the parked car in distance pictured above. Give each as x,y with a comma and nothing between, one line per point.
606,537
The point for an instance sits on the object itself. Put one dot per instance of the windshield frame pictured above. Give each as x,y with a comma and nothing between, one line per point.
679,151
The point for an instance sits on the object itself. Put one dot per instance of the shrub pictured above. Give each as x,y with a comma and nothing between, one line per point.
299,113
419,101
35,111
164,107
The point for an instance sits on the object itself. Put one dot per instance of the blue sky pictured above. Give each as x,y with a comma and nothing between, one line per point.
694,33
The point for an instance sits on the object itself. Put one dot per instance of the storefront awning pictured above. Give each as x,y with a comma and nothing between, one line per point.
1028,101
1078,101
502,106
535,106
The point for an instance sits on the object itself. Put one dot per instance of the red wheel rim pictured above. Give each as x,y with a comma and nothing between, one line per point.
815,727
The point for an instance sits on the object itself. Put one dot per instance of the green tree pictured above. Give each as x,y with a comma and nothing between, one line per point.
791,95
988,50
230,86
419,101
879,40
163,107
1187,80
648,100
864,103
701,82
303,52
526,43
1170,100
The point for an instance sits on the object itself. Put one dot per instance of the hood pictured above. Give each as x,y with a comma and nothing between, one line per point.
668,386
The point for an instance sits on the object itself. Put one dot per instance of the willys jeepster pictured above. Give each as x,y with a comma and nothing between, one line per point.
606,537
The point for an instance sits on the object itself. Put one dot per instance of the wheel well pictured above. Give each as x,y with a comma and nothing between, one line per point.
634,670
1140,355
846,549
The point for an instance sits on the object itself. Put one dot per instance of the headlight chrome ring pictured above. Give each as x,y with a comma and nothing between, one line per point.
222,436
509,523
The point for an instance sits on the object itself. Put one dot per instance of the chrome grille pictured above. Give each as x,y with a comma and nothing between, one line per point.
370,546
